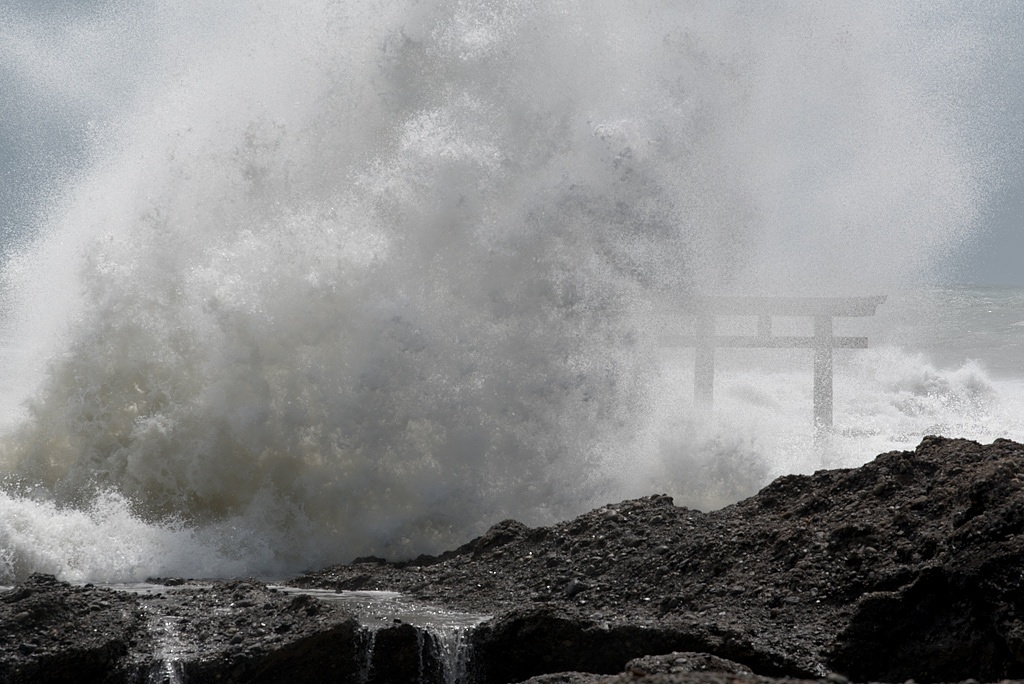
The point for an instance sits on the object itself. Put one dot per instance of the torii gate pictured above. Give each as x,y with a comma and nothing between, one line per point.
821,309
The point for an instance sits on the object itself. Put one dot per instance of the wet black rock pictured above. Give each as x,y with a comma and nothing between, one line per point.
649,666
907,567
246,631
51,635
53,632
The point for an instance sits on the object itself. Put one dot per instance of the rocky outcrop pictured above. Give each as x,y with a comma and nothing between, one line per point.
907,567
51,634
667,667
240,631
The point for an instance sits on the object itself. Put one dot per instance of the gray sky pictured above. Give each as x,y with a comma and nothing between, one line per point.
998,256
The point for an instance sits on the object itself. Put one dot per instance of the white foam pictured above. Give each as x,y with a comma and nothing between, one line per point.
105,541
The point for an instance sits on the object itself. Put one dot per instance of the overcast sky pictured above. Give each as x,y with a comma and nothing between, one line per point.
41,140
998,256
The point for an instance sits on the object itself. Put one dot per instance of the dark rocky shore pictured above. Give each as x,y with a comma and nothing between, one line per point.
909,567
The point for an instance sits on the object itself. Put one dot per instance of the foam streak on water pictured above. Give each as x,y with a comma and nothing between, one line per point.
367,649
171,651
447,630
350,278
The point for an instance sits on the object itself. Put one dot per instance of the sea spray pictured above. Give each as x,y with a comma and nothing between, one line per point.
348,278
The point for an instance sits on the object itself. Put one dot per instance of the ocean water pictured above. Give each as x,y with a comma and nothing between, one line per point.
331,279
